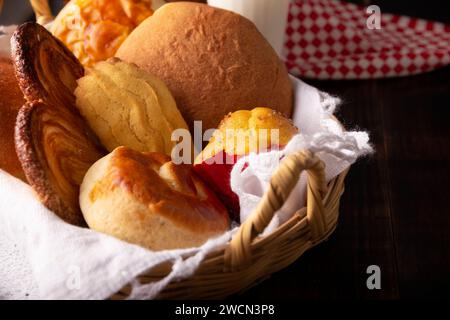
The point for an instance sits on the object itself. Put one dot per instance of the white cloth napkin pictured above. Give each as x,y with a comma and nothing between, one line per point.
320,133
53,259
68,262
43,257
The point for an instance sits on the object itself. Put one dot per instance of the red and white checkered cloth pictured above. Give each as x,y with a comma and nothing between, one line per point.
329,39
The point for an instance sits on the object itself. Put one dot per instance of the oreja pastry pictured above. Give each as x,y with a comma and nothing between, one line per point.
53,142
45,68
240,133
145,199
11,99
213,61
126,106
94,29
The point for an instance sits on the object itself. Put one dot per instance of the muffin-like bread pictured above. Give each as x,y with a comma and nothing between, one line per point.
145,199
246,131
126,106
240,133
94,29
11,99
213,61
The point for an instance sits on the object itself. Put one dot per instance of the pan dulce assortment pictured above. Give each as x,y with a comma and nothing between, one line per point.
90,107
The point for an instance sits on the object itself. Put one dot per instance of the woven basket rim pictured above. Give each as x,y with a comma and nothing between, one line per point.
213,265
249,256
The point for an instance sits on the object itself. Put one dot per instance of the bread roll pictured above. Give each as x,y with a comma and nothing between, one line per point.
126,106
11,99
145,199
213,61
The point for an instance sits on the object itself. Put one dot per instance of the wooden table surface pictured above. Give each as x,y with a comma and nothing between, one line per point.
395,212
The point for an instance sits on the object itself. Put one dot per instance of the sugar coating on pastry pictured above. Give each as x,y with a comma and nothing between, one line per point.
145,199
54,144
126,106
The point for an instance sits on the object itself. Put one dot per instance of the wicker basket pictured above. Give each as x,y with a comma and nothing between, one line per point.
249,257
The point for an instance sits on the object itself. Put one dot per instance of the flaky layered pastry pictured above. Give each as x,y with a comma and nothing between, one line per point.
53,142
55,155
94,29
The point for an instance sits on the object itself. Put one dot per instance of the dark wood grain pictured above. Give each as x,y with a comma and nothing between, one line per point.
395,212
418,136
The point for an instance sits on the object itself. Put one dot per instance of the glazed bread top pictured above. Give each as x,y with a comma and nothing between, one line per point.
145,199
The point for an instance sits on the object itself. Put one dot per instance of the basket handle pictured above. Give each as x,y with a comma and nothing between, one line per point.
42,11
238,253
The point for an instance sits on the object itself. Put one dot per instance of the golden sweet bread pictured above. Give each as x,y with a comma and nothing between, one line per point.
54,143
213,61
246,131
94,29
11,99
126,106
145,199
240,133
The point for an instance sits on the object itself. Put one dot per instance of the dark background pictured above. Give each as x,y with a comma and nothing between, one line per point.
395,212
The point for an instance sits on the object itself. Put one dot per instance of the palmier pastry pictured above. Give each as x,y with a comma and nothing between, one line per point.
146,199
53,142
45,68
